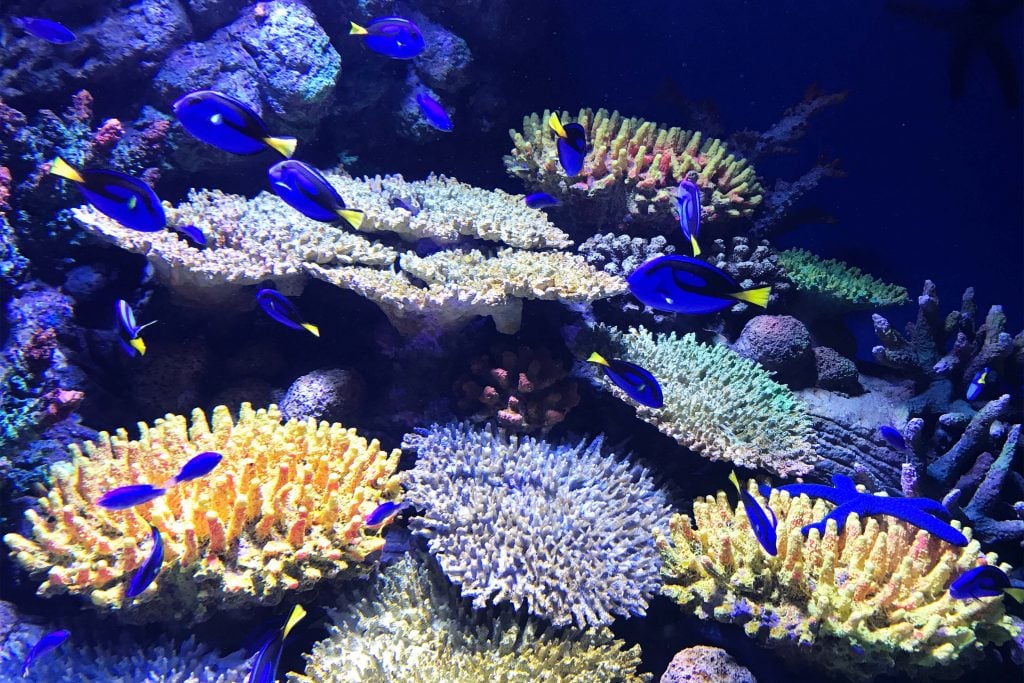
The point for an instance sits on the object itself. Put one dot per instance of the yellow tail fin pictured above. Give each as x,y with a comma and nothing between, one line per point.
312,329
283,146
556,125
295,617
694,245
63,169
353,217
595,357
1015,593
138,345
357,30
758,297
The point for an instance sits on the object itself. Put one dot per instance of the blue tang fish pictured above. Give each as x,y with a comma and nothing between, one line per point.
44,29
48,643
132,330
125,497
264,669
391,36
639,384
228,124
193,234
763,528
280,309
127,200
893,437
977,384
384,512
150,568
433,112
198,466
304,189
571,143
689,212
540,200
984,581
681,284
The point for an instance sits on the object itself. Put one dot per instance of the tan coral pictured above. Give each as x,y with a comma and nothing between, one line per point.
282,511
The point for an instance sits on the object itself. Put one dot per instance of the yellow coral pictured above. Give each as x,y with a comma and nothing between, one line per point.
283,510
859,603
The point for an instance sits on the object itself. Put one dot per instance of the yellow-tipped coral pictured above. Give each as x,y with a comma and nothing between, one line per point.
282,511
870,600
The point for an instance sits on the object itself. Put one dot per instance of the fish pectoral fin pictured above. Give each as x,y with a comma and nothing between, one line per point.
556,125
353,217
61,168
758,297
311,328
283,146
357,30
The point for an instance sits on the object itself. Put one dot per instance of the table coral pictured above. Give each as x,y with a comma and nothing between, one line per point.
411,627
837,286
283,511
861,603
561,530
718,403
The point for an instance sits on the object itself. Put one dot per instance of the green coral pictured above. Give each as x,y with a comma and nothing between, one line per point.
838,285
412,627
718,403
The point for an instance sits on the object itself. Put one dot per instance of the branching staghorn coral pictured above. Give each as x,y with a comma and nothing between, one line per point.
634,166
861,603
718,403
282,511
836,286
412,627
564,531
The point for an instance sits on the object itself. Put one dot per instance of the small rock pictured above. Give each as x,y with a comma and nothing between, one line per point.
705,664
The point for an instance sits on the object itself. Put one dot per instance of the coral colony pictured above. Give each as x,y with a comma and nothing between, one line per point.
599,394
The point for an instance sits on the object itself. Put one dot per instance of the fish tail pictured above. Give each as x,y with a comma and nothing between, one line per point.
1015,593
357,30
61,168
735,481
295,617
595,357
311,328
694,245
353,217
758,297
283,146
138,345
556,125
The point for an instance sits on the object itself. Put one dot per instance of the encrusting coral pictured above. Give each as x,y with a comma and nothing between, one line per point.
837,286
564,531
870,600
410,626
283,510
718,403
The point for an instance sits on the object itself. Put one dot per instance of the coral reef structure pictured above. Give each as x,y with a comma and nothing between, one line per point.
332,394
782,345
564,531
705,664
283,510
835,286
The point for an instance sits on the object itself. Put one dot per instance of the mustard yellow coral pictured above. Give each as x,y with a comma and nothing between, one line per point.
283,510
869,600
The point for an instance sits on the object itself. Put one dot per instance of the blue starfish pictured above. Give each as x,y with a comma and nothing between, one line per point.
917,511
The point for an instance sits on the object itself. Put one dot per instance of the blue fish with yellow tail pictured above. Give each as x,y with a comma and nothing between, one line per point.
681,284
124,497
227,124
434,113
688,199
764,529
193,235
198,466
125,199
639,384
264,669
977,384
44,29
540,200
893,437
131,329
984,581
383,513
305,189
48,643
391,36
571,143
280,309
147,573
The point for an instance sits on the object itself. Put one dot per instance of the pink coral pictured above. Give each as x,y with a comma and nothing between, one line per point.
106,136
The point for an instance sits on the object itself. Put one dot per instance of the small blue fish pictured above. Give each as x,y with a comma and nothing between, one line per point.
681,284
304,189
893,437
150,568
193,234
125,497
383,513
44,29
984,581
391,36
759,522
541,200
572,145
433,112
280,309
977,384
198,466
689,212
228,124
127,200
264,669
639,384
126,319
48,643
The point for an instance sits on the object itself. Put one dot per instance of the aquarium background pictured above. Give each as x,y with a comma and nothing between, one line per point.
904,177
